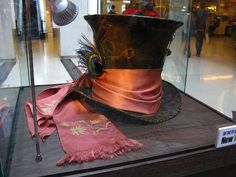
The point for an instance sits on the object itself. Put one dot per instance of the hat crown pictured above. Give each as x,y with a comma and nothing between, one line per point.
132,42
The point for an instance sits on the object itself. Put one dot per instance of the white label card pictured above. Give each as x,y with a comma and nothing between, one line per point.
226,136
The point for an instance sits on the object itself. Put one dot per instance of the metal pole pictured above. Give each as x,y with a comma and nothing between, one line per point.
189,13
30,57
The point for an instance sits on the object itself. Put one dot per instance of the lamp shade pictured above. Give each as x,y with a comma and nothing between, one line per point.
64,12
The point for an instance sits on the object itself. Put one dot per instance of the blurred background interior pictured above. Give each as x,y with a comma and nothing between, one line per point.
210,78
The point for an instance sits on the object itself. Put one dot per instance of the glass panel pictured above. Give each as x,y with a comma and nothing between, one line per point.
211,76
14,74
174,69
52,45
175,66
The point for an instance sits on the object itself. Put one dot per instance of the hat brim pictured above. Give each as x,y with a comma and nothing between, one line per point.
169,107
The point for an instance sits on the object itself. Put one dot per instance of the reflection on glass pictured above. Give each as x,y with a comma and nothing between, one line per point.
174,69
219,77
13,72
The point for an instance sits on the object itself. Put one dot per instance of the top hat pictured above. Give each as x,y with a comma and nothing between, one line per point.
125,64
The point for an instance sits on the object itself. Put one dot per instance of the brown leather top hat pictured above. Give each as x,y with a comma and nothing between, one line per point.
124,66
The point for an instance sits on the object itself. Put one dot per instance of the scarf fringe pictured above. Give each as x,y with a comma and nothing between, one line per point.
101,152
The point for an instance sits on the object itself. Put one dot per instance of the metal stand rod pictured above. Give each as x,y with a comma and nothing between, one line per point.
30,57
189,13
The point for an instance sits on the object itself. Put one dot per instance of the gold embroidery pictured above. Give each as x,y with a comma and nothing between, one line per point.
64,124
98,129
78,130
102,117
80,121
48,108
92,122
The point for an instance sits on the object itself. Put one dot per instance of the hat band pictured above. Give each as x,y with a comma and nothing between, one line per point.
137,90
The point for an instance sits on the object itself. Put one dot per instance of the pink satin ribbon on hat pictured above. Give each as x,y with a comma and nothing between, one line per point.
137,90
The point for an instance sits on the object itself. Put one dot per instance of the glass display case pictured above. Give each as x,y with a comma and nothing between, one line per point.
14,75
92,92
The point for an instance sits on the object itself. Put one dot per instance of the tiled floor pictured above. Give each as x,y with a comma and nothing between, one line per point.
211,78
48,68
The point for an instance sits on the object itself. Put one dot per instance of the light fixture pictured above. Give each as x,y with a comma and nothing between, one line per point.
63,12
126,1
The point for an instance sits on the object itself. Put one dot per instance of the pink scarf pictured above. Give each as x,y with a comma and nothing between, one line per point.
87,136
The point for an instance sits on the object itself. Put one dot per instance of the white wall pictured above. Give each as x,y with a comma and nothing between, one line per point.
6,34
13,14
71,34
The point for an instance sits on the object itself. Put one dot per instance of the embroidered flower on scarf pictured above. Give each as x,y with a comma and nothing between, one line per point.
78,130
101,127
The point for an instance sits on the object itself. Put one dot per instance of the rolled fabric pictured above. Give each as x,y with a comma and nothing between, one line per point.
137,90
46,102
